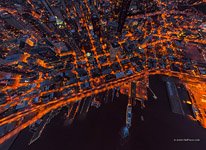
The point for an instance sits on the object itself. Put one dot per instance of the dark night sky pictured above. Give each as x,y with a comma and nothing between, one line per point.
101,129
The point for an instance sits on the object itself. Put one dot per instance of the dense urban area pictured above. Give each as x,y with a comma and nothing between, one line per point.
77,54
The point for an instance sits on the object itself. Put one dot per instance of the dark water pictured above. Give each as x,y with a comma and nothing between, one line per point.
101,129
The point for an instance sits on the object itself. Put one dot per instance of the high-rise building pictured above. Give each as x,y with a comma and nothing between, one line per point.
11,20
96,24
123,14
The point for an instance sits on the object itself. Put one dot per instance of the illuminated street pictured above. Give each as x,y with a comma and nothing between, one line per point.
79,54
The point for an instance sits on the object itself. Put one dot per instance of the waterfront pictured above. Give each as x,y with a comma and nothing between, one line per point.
101,129
58,53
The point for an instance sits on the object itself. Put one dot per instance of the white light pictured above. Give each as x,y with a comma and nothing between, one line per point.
88,54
